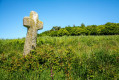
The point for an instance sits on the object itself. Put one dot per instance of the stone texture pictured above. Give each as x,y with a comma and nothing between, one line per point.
33,25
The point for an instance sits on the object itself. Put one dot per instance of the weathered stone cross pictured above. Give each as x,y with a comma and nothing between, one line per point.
33,25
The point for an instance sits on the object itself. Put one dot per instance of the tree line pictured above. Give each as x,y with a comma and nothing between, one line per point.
106,29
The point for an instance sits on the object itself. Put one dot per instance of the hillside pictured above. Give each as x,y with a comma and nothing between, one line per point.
61,58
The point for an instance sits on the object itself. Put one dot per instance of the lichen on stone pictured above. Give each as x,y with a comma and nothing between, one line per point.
33,25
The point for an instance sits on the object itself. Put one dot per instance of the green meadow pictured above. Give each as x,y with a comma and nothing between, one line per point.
61,58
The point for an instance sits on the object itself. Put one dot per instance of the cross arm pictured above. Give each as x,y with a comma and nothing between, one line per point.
27,22
39,25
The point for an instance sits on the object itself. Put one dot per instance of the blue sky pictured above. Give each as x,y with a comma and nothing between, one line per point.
55,13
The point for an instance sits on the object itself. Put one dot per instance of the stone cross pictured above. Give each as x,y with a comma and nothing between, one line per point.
33,25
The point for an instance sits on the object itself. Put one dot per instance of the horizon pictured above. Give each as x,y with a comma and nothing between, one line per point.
55,13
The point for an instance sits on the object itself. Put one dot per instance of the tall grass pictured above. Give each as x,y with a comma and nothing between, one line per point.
61,58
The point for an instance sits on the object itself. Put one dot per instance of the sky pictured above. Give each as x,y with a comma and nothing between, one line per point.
55,13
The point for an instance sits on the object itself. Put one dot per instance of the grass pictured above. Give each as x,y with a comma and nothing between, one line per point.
67,57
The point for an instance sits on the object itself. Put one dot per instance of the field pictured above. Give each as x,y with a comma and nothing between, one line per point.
61,58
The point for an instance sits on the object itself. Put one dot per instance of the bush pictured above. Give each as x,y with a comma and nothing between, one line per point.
67,57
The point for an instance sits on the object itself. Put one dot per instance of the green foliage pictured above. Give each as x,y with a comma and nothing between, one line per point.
62,32
56,28
82,25
107,29
67,57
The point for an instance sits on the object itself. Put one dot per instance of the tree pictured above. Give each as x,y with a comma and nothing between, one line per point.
91,30
111,28
82,25
63,32
53,33
80,31
107,29
100,29
56,28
